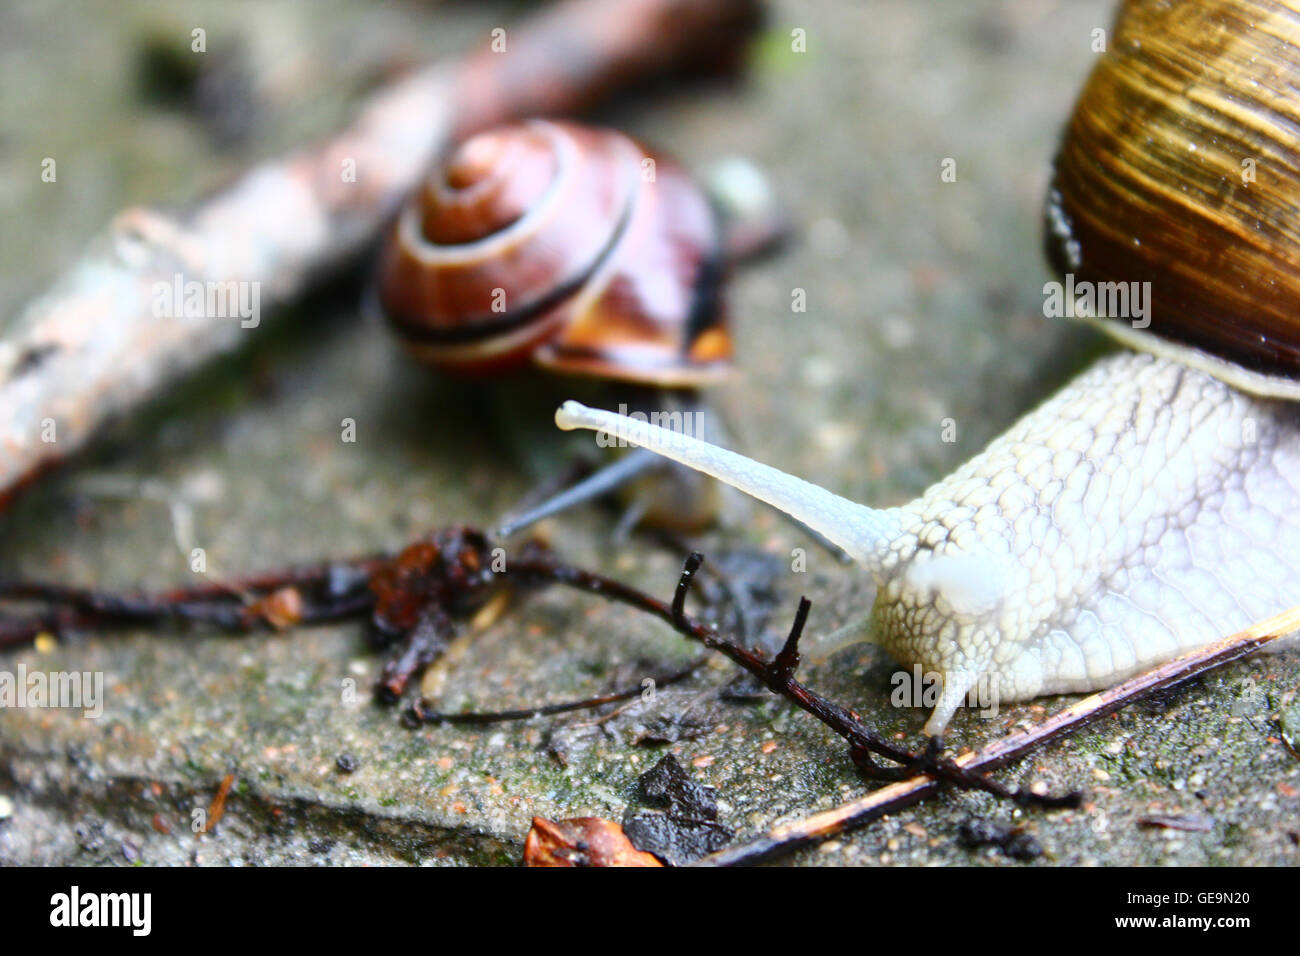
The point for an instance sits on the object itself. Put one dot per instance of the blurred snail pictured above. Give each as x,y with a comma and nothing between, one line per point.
1153,505
579,252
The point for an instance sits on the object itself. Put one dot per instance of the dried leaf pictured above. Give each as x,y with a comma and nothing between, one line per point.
282,608
581,841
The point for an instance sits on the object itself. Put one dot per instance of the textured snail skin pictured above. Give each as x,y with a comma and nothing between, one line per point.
1145,510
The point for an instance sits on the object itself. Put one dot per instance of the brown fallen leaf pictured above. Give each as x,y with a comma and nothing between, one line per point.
282,608
581,841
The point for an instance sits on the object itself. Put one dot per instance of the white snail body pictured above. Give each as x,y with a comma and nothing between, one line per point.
1145,510
1153,505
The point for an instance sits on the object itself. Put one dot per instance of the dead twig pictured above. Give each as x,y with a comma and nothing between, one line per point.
415,598
334,590
821,826
778,676
415,601
449,574
421,714
291,220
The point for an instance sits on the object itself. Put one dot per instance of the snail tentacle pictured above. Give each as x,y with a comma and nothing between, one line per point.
602,482
861,531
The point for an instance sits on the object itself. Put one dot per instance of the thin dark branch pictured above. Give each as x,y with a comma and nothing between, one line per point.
449,568
421,714
863,742
787,661
821,826
423,644
235,606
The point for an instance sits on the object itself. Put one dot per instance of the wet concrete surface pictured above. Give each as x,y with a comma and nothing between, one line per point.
924,304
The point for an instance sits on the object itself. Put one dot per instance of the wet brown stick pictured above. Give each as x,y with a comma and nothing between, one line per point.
427,580
336,592
414,599
420,714
289,221
420,647
428,636
918,775
778,676
821,826
231,607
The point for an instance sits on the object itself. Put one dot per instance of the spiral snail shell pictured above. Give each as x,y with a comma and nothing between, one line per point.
1181,167
1153,504
571,248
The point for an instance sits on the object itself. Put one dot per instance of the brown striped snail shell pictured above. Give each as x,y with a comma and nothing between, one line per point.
562,246
1181,167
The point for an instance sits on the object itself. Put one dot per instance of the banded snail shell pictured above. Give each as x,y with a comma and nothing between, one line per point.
568,247
1181,167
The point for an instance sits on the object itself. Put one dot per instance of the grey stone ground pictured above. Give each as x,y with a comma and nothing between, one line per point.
924,304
